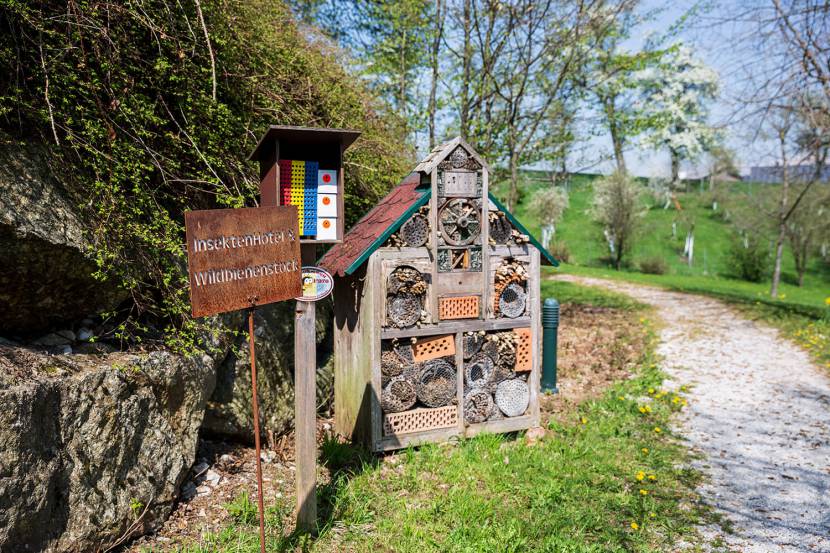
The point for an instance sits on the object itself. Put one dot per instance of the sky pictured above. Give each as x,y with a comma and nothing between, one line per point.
716,44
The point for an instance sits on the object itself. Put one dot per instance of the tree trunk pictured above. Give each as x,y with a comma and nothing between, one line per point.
675,169
779,254
402,81
782,216
613,129
466,70
513,197
618,254
433,85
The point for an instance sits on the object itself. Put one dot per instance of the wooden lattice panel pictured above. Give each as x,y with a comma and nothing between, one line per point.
419,420
458,307
433,348
524,350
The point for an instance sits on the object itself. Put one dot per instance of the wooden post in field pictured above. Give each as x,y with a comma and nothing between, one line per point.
305,404
304,167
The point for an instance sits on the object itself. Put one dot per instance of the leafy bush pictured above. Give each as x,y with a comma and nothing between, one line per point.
654,266
547,205
618,207
749,258
559,249
149,118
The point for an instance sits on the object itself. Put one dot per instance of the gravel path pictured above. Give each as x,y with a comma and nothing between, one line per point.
759,412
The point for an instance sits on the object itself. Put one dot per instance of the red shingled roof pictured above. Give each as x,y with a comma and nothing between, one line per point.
374,228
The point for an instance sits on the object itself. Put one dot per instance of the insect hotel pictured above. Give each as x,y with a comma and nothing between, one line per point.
437,311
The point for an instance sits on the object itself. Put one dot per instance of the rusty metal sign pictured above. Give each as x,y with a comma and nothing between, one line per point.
239,258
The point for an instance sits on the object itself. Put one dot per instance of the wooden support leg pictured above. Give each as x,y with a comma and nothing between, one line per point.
305,415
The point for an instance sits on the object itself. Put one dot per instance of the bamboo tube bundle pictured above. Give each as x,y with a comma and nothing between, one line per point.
478,405
398,395
436,385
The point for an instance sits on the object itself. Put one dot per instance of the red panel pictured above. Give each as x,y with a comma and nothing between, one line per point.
285,181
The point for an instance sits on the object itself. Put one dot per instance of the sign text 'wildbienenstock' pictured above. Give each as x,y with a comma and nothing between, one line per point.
238,258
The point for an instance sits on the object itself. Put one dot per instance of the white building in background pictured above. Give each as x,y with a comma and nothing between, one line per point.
772,174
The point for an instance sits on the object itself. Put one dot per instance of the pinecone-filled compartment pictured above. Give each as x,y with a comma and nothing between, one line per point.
419,384
510,288
495,382
502,231
414,233
406,288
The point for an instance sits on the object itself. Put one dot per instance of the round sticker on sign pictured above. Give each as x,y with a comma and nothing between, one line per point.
317,284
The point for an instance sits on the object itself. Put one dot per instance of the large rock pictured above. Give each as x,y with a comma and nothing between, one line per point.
229,411
89,442
45,272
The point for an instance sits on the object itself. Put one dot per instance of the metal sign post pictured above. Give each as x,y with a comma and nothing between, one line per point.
260,502
237,259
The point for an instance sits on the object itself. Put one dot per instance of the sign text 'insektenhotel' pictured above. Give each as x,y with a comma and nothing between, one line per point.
238,258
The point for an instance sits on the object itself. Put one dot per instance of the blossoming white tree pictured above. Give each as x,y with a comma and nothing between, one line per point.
547,206
677,92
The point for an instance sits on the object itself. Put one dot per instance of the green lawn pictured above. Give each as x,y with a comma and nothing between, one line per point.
611,478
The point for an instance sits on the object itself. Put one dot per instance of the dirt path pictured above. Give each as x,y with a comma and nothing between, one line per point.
759,412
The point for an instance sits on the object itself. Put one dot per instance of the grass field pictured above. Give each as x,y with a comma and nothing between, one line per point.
612,477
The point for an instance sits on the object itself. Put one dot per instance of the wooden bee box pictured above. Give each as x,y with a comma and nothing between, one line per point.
452,279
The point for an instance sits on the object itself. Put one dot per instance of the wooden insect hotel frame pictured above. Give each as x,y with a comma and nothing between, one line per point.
437,311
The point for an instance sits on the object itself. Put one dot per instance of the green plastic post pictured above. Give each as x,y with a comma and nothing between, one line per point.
550,330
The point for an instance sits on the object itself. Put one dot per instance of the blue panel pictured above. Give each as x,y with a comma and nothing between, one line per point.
310,199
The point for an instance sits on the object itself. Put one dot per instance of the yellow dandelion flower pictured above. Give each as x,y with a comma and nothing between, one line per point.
827,301
642,409
640,476
652,477
650,391
651,515
645,450
584,420
657,429
621,398
635,526
643,492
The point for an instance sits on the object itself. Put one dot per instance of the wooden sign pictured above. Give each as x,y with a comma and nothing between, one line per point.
239,258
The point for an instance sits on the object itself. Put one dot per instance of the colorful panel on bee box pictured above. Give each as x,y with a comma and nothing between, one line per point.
327,181
310,199
300,185
326,205
285,181
327,228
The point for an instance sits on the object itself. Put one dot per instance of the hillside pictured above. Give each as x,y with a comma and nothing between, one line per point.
711,269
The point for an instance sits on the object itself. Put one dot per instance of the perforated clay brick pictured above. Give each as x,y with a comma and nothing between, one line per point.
524,350
420,420
460,307
433,348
